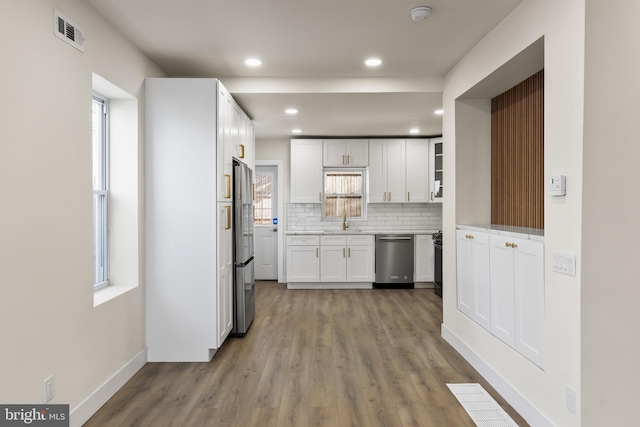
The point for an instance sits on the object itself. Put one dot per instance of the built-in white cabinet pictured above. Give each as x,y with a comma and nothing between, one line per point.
436,189
225,271
417,170
303,258
474,286
243,140
188,154
501,287
424,258
345,152
387,171
306,171
348,258
517,294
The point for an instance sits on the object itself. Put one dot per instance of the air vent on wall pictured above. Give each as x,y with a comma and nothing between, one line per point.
68,31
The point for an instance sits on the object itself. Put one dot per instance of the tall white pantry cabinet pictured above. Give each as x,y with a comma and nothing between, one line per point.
192,132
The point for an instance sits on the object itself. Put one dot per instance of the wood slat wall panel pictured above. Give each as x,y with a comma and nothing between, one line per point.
517,155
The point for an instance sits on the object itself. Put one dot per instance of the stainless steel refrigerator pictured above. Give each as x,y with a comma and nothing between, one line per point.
244,300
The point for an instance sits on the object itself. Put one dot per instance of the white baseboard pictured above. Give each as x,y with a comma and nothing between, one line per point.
329,285
511,395
89,406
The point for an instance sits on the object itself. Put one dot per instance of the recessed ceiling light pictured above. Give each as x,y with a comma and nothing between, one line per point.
296,131
439,112
253,62
291,111
414,130
372,62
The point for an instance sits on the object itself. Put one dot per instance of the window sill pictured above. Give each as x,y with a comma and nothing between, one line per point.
110,292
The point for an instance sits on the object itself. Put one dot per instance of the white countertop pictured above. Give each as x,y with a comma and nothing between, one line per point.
356,231
506,230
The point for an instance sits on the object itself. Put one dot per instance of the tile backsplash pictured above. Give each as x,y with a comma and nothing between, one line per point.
380,217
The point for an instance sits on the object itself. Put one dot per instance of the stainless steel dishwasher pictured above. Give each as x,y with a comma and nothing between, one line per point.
394,261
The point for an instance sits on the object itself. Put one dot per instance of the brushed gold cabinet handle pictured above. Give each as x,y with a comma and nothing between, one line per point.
343,253
228,179
469,236
343,159
242,152
317,252
253,191
508,244
432,195
320,196
348,159
408,196
384,197
389,195
228,209
349,252
513,245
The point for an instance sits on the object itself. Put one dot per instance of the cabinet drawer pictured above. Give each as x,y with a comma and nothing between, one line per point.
359,240
303,240
333,240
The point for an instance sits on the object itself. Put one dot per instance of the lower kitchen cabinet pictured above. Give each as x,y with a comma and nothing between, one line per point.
224,291
501,287
474,288
303,258
517,294
424,258
331,259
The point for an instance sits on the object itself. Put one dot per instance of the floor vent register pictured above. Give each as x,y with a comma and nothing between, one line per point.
480,406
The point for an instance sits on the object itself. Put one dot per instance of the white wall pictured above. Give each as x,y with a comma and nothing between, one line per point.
562,25
47,317
611,208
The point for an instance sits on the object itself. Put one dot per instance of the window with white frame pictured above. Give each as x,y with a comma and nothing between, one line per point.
100,150
262,206
344,193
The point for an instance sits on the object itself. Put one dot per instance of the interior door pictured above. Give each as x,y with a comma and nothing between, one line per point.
265,210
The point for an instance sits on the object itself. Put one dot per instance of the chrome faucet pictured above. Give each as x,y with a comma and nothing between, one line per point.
344,219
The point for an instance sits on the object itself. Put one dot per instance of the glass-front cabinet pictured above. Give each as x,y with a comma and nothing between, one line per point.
436,165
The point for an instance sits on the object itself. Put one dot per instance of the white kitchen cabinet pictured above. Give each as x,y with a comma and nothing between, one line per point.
424,258
306,171
224,160
225,271
436,189
243,140
345,152
387,171
346,258
517,294
474,286
188,251
417,170
303,258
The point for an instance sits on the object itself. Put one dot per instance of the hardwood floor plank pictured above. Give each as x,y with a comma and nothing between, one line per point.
320,358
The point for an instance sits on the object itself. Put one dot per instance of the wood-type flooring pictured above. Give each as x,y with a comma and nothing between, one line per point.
313,358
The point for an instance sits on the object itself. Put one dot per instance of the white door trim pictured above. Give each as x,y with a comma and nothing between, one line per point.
279,164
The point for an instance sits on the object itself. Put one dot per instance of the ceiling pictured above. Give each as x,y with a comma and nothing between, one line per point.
313,56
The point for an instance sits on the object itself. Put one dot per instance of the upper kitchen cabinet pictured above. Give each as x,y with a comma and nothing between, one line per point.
345,152
243,139
417,170
387,171
225,115
306,171
435,167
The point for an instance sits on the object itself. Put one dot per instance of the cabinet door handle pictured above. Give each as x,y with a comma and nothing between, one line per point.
432,195
242,151
317,252
508,244
513,245
349,251
469,236
343,159
343,253
408,196
348,159
227,177
228,209
253,191
384,197
320,196
389,195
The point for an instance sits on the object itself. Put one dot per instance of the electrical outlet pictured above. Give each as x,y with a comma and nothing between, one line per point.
48,389
570,399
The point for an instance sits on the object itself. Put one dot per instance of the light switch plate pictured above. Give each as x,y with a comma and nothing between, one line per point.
564,262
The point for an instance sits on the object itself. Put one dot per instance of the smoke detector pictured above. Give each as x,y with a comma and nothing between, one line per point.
420,13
